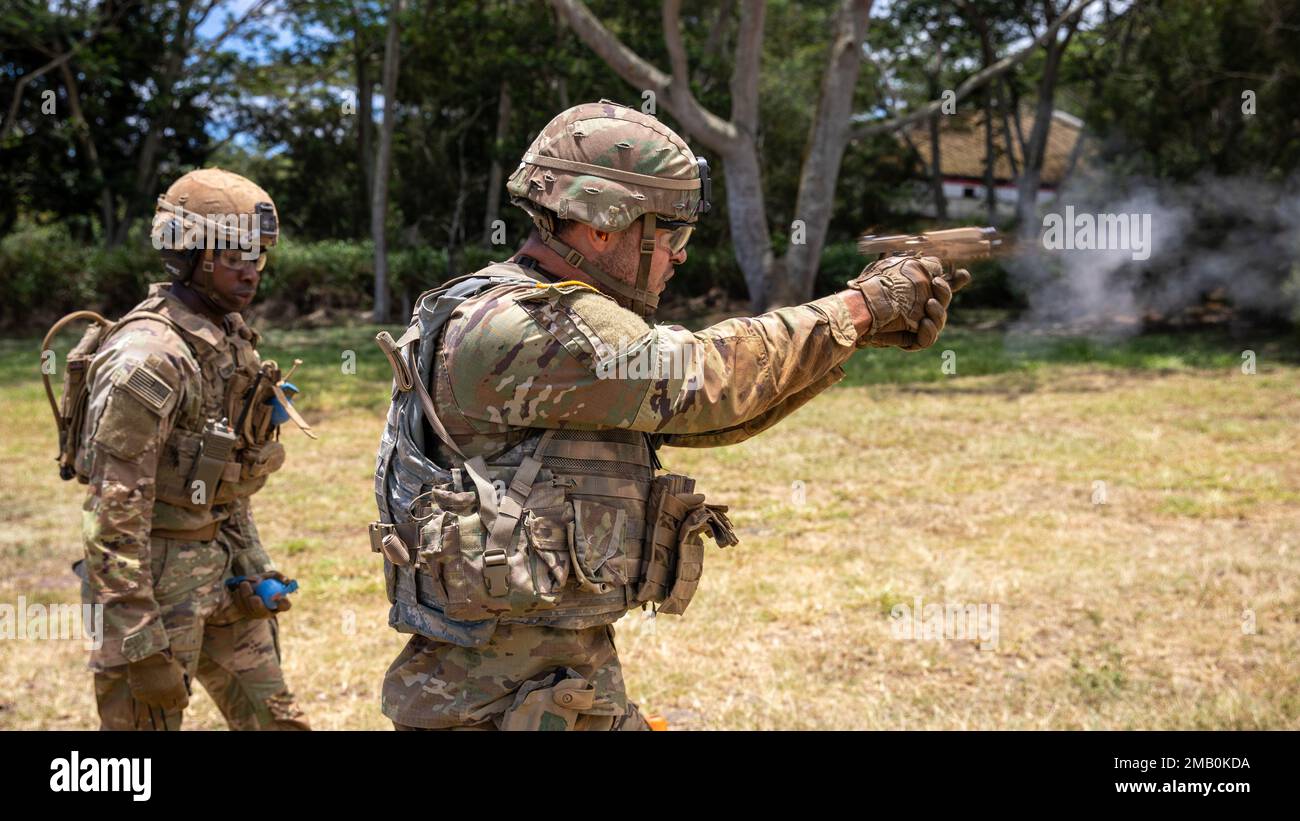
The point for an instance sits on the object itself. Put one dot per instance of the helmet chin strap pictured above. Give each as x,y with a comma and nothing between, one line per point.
635,298
203,287
643,270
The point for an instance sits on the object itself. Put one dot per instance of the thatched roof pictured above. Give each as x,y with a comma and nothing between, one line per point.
961,145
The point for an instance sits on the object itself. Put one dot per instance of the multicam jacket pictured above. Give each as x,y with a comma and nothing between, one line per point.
160,377
551,355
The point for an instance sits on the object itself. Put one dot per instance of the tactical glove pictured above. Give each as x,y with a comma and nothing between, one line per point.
908,296
250,605
159,681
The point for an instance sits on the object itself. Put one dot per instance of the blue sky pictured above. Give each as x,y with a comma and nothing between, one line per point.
222,16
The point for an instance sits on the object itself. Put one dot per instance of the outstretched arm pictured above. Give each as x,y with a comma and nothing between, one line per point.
572,359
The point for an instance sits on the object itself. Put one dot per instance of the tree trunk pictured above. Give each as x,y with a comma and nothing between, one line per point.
456,233
10,122
560,82
1075,153
496,172
1036,145
82,129
990,158
365,129
986,102
748,222
936,171
796,275
735,139
146,168
60,59
383,160
936,154
1004,105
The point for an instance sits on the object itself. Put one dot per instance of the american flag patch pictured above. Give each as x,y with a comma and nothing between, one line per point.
146,386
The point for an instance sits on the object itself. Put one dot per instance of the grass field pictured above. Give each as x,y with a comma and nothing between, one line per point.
1131,510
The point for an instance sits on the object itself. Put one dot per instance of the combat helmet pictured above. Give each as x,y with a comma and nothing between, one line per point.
210,209
606,165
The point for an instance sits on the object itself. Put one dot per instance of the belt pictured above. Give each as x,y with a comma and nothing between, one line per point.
202,534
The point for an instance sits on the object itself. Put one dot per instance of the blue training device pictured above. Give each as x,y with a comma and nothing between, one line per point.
269,590
278,414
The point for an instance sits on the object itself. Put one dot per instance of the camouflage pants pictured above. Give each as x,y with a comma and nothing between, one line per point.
236,660
523,678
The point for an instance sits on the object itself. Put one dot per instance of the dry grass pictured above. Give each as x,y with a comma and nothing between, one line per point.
975,489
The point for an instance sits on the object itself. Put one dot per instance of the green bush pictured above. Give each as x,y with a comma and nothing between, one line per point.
45,272
340,273
326,274
415,270
841,261
38,266
707,268
121,276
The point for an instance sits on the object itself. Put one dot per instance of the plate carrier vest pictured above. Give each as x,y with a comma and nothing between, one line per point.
567,528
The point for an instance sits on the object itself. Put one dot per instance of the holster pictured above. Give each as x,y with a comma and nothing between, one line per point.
562,701
674,558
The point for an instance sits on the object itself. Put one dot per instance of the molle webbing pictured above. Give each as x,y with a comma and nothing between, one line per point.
554,529
610,469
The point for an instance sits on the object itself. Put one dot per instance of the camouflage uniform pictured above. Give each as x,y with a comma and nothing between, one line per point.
553,398
575,378
157,555
519,358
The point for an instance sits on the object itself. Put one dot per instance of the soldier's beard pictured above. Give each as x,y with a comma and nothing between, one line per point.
620,261
624,259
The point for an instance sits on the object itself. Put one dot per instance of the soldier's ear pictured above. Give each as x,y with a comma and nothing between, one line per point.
599,239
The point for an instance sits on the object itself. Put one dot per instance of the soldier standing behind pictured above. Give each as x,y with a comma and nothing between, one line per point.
177,436
522,506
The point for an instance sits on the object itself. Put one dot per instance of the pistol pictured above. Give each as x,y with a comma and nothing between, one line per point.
949,245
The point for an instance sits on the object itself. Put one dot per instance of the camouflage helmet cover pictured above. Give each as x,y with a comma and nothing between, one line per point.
605,165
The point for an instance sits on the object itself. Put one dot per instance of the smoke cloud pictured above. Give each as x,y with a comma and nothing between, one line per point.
1236,235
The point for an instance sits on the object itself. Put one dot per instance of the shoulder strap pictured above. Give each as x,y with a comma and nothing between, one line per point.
109,328
484,279
144,313
138,313
406,370
426,401
499,518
